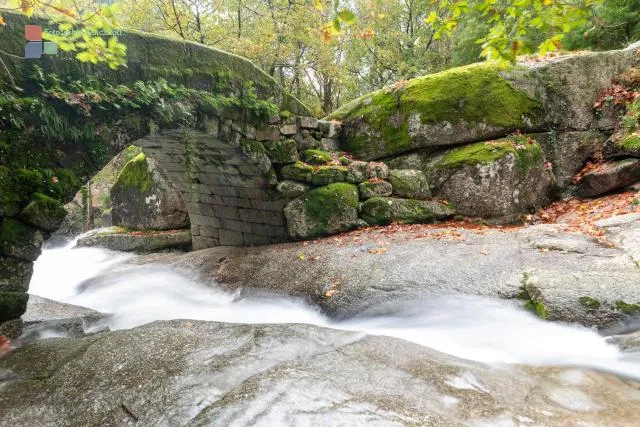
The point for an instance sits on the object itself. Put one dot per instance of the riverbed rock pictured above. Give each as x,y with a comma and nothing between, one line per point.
560,269
118,239
498,179
384,210
46,318
609,176
186,372
142,198
324,210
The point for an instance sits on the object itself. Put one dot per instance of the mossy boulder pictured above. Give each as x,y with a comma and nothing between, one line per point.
324,175
409,183
282,151
19,240
323,211
291,189
316,157
609,176
495,179
43,212
15,274
384,210
12,305
371,189
357,172
479,102
143,198
298,171
455,106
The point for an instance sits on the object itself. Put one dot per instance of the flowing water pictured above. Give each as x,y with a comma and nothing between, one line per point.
473,328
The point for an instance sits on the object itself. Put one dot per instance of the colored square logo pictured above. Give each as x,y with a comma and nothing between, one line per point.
33,50
33,32
50,48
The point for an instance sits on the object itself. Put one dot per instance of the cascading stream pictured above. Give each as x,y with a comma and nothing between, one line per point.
474,328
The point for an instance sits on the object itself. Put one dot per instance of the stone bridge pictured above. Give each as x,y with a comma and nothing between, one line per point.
226,173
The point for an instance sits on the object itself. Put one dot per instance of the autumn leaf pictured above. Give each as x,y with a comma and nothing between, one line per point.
378,251
26,7
2,23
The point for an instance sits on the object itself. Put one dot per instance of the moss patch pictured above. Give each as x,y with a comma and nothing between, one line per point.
43,212
630,143
528,153
537,307
298,171
316,157
627,308
12,305
473,94
135,174
589,303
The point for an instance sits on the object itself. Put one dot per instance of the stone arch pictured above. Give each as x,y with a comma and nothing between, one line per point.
228,188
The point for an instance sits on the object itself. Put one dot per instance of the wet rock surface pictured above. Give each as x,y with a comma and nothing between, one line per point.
542,264
203,373
45,317
117,239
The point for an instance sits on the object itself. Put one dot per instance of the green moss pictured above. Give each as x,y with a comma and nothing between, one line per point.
627,308
10,196
12,305
322,205
384,210
537,307
345,161
589,302
282,151
298,171
473,94
252,148
329,174
316,157
135,174
528,153
43,212
18,239
630,143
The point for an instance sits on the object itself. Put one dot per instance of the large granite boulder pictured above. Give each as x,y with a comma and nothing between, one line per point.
196,373
609,176
142,198
479,102
498,179
324,210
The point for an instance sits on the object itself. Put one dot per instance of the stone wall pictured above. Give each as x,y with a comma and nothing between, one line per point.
227,172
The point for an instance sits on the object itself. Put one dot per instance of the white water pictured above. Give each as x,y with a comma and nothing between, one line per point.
468,327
